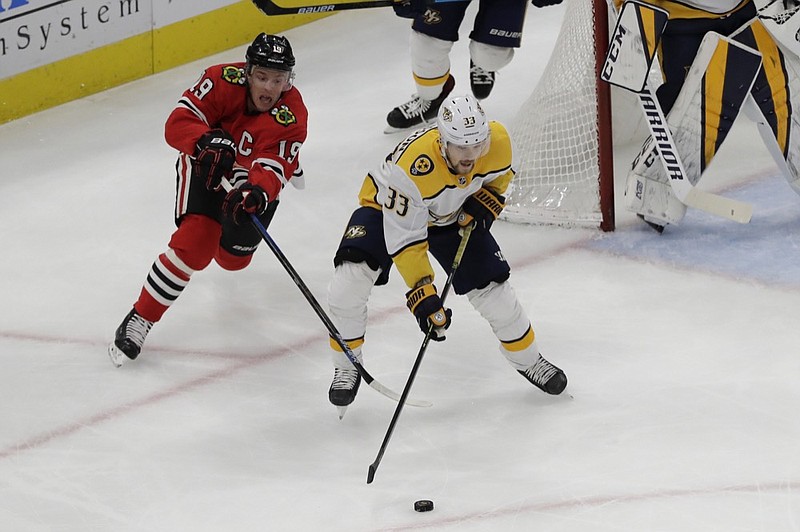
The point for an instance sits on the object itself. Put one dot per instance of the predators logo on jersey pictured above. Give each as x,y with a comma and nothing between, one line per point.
422,165
233,74
355,231
283,115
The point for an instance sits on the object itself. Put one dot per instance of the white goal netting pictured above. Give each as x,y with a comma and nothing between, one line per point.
556,132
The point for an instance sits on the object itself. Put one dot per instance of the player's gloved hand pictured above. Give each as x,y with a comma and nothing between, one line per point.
247,199
482,209
545,3
409,8
427,307
214,157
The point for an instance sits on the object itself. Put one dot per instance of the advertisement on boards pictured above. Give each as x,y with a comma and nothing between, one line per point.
35,33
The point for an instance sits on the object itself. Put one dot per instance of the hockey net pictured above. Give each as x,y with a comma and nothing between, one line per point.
563,135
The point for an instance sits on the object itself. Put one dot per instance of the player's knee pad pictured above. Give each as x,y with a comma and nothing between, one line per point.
489,57
498,304
430,60
348,294
195,241
229,261
648,191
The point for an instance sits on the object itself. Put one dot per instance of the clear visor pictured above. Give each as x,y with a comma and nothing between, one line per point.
268,77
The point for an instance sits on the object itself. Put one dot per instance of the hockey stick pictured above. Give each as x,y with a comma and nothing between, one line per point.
369,379
272,7
466,232
687,193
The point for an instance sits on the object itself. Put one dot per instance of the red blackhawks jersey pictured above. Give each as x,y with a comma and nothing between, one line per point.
267,144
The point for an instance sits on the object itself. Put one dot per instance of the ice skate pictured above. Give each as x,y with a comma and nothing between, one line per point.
545,376
480,81
344,388
658,227
129,338
417,112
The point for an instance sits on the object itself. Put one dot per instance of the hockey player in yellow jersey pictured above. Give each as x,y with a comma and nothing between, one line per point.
413,206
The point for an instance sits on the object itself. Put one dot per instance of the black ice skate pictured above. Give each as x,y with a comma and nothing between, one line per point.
481,81
129,338
344,388
545,376
417,112
653,224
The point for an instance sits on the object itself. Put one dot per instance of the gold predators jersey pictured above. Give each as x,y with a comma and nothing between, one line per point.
695,8
415,188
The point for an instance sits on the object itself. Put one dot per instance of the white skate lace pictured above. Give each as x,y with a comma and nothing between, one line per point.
541,372
137,329
344,379
479,76
414,107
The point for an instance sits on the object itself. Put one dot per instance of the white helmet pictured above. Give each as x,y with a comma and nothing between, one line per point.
461,121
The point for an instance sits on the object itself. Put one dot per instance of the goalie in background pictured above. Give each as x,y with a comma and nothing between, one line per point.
244,122
774,95
496,31
434,182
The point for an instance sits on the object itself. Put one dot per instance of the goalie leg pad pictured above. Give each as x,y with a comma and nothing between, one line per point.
498,304
776,95
648,191
348,293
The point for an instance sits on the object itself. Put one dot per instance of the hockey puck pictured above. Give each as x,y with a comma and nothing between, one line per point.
423,506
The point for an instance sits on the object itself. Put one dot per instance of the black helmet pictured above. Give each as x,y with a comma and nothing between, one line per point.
270,51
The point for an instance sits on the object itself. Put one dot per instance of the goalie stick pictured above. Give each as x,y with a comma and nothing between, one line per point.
466,232
369,379
273,7
630,54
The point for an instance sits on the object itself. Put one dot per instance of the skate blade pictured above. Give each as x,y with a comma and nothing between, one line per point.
341,410
390,130
117,357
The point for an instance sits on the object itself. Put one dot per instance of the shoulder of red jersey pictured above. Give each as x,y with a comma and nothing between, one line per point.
229,73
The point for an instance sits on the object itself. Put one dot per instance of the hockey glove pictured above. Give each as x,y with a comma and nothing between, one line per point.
482,208
545,3
426,306
214,157
410,8
240,202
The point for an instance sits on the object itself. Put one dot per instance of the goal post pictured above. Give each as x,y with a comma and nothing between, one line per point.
563,135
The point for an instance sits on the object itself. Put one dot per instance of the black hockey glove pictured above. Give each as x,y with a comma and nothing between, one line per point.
482,208
214,157
545,3
247,199
410,8
427,307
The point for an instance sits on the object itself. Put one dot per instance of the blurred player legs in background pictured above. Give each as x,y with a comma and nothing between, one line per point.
496,31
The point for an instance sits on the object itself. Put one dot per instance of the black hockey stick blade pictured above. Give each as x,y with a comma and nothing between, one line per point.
274,7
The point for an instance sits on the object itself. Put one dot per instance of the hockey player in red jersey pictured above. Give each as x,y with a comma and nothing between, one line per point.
435,181
244,122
